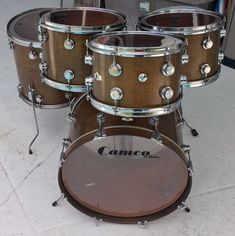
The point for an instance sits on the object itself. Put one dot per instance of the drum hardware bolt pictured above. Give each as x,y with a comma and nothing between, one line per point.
222,32
142,77
116,94
71,117
207,43
68,43
97,76
97,221
143,224
205,70
68,75
184,59
183,79
43,67
88,58
167,93
40,55
183,206
128,119
42,37
168,69
10,43
20,89
220,57
89,82
187,149
154,121
33,55
182,122
100,131
39,99
55,203
115,69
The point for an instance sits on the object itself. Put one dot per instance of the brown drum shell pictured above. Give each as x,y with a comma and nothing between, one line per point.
136,94
199,56
85,122
60,59
29,75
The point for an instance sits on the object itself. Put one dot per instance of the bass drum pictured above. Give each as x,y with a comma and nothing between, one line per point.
83,119
124,177
23,36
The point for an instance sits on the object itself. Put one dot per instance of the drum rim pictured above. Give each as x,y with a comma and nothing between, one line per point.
219,21
137,51
80,30
17,38
134,112
118,219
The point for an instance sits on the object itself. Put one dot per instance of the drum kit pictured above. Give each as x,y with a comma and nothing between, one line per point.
124,159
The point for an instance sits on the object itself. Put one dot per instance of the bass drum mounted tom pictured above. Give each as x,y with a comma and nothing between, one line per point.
202,29
22,32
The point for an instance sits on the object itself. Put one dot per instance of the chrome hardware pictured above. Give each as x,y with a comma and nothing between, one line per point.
222,32
66,142
68,75
88,60
33,55
100,131
40,55
154,121
183,206
167,93
97,221
68,43
168,69
143,224
20,89
207,43
39,99
42,37
187,149
205,69
183,79
142,77
43,66
71,117
184,59
88,83
97,76
116,94
10,43
55,203
115,69
220,56
128,119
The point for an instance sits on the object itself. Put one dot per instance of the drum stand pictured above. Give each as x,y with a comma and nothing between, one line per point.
33,99
182,122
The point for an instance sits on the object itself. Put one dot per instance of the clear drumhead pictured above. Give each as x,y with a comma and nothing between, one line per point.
124,176
185,20
84,20
23,28
136,43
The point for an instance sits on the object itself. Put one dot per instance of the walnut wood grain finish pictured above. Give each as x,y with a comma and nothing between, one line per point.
60,59
136,94
28,75
85,121
199,56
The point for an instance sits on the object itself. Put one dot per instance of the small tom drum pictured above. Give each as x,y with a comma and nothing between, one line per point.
202,29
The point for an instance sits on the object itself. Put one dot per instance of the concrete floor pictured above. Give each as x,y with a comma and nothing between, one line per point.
28,183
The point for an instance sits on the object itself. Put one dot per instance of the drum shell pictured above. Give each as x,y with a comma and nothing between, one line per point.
59,59
84,124
136,94
199,56
28,75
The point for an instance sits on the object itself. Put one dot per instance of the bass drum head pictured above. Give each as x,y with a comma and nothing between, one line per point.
124,178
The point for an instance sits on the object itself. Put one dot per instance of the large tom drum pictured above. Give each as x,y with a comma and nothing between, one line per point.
202,29
23,36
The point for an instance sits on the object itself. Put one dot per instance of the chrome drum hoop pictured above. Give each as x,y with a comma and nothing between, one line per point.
73,29
41,106
137,51
219,23
200,83
134,112
63,87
